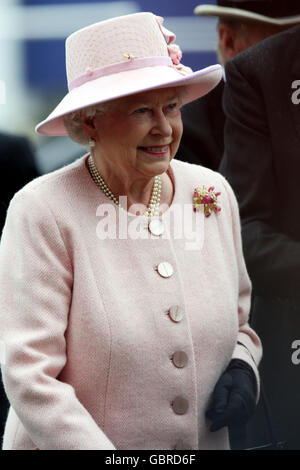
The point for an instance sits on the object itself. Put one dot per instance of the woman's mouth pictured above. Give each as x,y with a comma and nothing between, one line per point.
156,151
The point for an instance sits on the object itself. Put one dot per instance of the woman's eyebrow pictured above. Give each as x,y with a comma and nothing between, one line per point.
147,102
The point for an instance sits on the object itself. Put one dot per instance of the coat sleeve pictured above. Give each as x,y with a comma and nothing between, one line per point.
248,347
271,256
36,289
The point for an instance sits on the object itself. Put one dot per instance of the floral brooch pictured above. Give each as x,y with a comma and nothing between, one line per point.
208,198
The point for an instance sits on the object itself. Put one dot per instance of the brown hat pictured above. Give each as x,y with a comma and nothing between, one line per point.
278,12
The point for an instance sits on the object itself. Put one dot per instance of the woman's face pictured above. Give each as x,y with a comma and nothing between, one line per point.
140,133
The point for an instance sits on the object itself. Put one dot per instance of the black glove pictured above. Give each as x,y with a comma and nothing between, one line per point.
234,396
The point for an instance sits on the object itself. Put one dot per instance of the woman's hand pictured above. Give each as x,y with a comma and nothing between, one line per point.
234,396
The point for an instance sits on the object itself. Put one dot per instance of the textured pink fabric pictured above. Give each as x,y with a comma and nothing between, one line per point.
85,321
120,67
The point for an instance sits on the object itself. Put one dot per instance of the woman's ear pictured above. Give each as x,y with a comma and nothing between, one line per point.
89,127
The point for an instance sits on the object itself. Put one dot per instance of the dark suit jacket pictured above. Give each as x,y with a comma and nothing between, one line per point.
203,126
17,168
262,163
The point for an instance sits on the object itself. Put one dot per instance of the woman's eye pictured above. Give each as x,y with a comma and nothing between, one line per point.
172,106
141,110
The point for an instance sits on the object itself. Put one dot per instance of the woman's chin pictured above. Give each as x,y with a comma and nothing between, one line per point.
155,168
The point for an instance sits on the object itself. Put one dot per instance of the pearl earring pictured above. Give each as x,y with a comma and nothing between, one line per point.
92,143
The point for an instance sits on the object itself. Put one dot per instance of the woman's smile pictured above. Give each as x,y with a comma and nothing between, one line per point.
156,151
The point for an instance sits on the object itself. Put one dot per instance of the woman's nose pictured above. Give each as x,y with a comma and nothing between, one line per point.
162,125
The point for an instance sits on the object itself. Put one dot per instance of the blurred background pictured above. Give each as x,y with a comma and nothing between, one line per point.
32,58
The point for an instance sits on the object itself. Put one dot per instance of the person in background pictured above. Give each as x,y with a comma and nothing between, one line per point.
241,24
117,335
17,168
261,162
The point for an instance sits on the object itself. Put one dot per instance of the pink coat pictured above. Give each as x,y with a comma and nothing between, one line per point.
94,354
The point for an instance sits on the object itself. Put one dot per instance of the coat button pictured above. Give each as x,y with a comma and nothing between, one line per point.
156,227
180,359
165,269
176,313
180,405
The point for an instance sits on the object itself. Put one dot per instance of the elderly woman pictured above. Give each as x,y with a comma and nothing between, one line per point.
124,295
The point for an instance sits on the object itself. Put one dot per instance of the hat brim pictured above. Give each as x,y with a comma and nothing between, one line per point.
228,12
128,83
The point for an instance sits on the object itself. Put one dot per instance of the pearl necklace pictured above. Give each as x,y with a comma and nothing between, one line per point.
153,206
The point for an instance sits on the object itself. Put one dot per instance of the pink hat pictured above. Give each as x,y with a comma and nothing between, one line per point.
120,57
